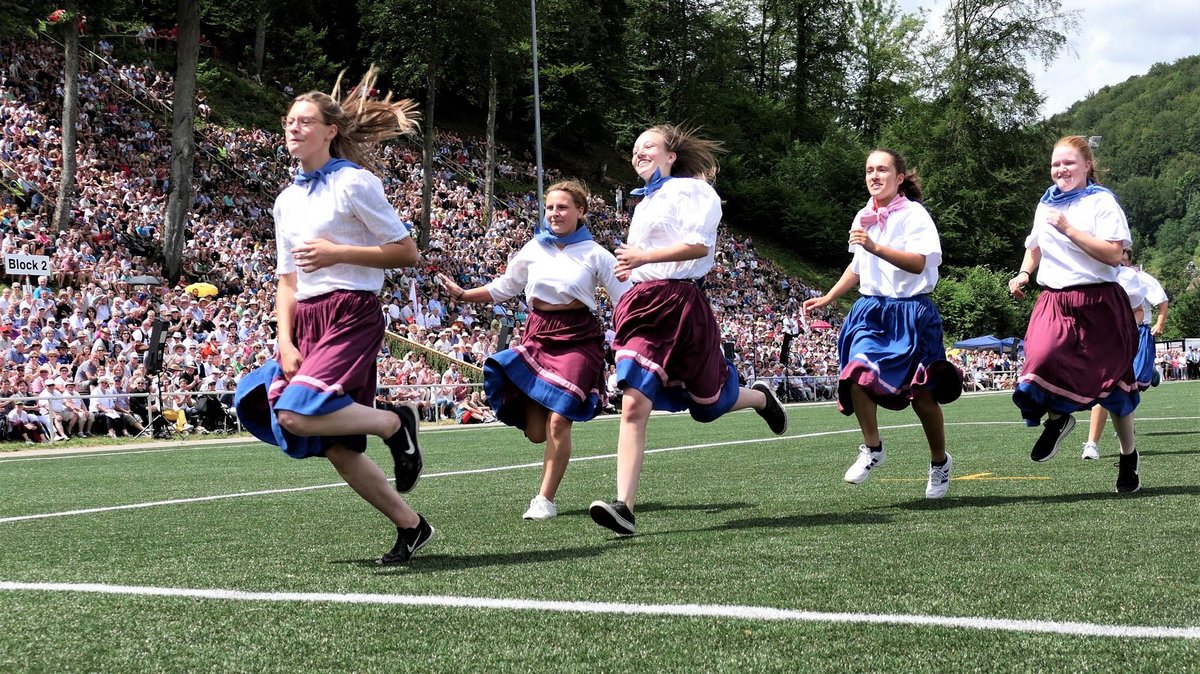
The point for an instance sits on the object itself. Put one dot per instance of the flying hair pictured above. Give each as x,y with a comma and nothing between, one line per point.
695,157
361,120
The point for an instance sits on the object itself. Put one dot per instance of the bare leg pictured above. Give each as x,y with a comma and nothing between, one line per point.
930,414
748,397
558,453
631,443
349,420
865,410
1124,426
537,419
368,480
1099,417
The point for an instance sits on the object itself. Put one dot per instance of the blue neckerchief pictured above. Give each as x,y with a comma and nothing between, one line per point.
656,181
546,235
311,178
1056,197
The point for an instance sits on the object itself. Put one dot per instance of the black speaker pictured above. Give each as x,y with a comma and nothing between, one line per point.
154,355
786,348
504,337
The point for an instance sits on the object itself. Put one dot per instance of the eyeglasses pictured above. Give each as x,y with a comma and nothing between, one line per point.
302,122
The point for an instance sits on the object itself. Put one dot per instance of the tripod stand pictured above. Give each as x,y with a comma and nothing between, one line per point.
154,415
154,363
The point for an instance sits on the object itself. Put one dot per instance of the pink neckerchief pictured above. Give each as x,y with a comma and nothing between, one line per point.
869,216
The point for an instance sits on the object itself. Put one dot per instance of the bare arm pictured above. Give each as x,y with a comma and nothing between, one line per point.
320,253
630,258
1029,264
1161,323
459,294
285,317
913,263
848,280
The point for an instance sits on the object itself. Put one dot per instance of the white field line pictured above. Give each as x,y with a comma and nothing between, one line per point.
449,473
64,452
59,453
759,613
494,469
88,454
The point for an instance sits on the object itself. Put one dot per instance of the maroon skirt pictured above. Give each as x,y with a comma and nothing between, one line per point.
1079,350
668,347
339,335
559,365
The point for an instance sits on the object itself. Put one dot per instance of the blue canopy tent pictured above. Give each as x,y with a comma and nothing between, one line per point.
984,343
1013,344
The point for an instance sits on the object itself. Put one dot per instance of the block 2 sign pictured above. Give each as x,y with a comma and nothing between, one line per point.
29,265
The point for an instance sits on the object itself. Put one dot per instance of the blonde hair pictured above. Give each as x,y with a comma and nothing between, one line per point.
695,157
361,121
1080,144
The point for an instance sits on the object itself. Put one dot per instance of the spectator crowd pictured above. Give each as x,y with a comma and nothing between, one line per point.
78,343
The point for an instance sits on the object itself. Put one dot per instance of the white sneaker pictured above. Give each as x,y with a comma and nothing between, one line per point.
939,479
1091,451
540,508
857,473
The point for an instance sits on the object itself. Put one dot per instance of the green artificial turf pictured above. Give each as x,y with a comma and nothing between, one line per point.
730,515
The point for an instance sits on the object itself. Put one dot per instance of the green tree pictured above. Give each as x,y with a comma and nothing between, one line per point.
67,28
416,41
881,71
974,301
1184,317
976,138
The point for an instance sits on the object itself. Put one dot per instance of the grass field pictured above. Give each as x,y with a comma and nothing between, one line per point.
753,555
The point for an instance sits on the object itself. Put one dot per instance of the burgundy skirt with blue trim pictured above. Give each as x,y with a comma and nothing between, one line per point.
559,365
890,346
338,335
668,347
1079,352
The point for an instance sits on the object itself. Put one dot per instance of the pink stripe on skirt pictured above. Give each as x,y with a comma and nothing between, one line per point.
1080,343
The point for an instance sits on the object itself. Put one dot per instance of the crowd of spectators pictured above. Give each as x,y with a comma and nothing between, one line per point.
87,327
987,370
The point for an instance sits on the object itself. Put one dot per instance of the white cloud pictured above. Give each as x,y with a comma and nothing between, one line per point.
1115,40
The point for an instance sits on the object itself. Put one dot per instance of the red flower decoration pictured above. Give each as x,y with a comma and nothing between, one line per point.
57,15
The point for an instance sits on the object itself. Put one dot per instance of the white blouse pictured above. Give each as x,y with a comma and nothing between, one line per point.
1143,289
683,210
909,229
558,275
347,207
1063,263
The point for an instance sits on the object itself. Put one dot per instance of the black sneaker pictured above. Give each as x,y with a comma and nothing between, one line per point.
1128,480
616,516
776,416
408,541
1053,433
406,453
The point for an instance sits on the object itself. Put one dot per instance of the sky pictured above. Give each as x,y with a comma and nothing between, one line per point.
1115,40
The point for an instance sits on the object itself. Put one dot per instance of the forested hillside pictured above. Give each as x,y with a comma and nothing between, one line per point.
1151,150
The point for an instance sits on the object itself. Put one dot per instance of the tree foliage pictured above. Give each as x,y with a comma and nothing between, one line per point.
1150,156
975,302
